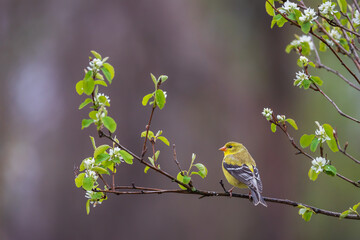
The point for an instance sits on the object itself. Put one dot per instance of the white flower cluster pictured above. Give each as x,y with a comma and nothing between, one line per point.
98,102
95,65
115,153
89,163
320,133
309,15
334,33
318,164
356,19
281,118
304,60
289,7
302,39
91,174
300,77
89,195
327,8
267,113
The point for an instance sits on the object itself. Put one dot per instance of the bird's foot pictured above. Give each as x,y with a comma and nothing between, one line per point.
230,191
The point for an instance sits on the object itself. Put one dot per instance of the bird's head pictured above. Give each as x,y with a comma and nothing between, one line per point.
231,148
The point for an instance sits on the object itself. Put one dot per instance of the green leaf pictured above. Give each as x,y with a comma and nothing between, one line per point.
184,179
80,87
88,183
84,103
312,174
292,123
355,207
146,169
92,115
154,80
306,84
305,48
316,80
311,64
281,22
269,8
106,74
330,170
109,123
100,82
157,155
306,140
305,27
88,83
151,161
86,123
150,134
202,170
160,98
101,157
97,55
164,140
314,144
100,170
163,78
146,98
342,5
79,180
307,215
88,207
93,142
273,127
292,16
99,76
111,70
322,46
100,149
128,158
344,214
330,133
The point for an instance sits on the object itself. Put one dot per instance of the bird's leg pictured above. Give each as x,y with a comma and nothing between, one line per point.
249,196
230,191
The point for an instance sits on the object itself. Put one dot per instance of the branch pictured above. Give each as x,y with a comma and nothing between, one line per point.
343,151
204,193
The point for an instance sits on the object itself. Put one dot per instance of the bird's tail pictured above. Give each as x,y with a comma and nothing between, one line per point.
257,198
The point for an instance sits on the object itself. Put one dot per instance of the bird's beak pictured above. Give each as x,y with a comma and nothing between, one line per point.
222,149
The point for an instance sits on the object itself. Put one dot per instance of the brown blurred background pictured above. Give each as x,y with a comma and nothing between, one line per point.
224,64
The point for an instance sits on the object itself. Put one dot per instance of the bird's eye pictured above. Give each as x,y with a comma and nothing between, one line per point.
229,146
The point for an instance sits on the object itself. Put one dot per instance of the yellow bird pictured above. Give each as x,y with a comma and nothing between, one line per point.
240,170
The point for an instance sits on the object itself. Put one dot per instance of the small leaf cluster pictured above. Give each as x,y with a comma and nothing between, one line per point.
90,86
158,97
314,141
153,138
281,120
351,210
185,176
305,212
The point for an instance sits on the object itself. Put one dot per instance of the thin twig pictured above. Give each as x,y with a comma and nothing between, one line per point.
343,151
175,159
147,132
334,104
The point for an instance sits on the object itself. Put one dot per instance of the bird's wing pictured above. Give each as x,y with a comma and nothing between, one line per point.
245,175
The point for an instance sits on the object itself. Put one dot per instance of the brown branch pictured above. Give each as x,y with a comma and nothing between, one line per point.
175,159
343,151
204,193
147,132
316,88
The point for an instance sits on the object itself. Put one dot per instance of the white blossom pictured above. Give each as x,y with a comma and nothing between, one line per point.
267,113
97,101
115,153
90,195
89,163
320,133
309,15
289,7
356,19
334,33
281,118
91,174
95,65
300,77
304,60
99,115
165,94
302,39
327,8
318,164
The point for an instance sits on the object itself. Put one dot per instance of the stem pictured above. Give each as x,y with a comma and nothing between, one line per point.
147,132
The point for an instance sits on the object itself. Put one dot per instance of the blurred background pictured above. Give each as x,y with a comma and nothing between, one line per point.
224,64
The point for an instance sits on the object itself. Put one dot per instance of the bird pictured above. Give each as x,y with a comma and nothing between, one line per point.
240,171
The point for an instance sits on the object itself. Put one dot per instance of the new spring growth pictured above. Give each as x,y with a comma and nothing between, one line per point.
267,113
289,7
309,15
320,133
318,164
327,8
